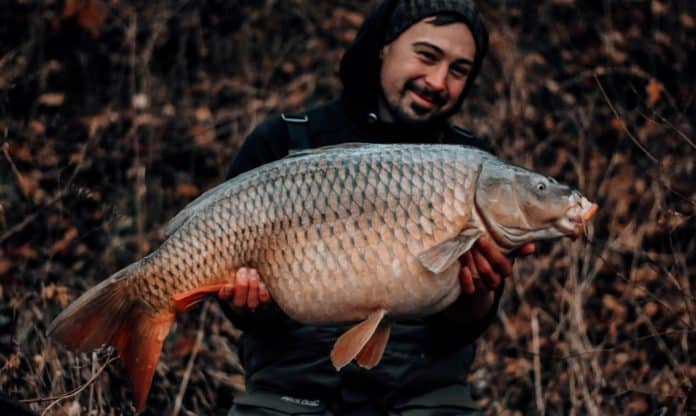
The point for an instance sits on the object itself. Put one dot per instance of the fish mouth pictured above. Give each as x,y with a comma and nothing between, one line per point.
576,217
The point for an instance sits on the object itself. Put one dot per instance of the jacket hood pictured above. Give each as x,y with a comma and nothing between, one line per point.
360,65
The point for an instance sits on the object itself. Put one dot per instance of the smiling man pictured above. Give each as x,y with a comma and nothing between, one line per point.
411,65
425,70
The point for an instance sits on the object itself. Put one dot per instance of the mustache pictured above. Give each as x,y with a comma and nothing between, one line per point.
434,96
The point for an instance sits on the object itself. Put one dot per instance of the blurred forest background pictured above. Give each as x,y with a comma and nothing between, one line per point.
116,113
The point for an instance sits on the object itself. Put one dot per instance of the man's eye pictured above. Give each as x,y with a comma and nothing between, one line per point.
460,72
427,56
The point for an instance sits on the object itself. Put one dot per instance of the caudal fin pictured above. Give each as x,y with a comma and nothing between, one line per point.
111,314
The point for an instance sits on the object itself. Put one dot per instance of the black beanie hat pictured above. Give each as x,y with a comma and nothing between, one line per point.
408,12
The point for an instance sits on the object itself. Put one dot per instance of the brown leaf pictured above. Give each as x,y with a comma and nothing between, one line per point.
27,184
38,359
148,120
638,406
71,408
23,251
47,156
654,90
187,190
646,273
183,346
140,101
52,99
203,135
203,114
5,265
611,303
651,309
617,124
37,127
688,21
56,293
64,242
18,151
96,122
90,14
353,18
658,7
348,36
14,361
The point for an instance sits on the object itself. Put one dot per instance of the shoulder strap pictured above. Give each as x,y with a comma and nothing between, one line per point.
298,130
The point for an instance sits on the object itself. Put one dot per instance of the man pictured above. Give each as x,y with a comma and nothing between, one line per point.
408,71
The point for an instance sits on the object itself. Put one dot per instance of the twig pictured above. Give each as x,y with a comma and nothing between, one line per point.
15,171
78,390
611,347
29,218
189,367
623,123
539,396
91,388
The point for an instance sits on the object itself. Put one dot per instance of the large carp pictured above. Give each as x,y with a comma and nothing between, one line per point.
359,233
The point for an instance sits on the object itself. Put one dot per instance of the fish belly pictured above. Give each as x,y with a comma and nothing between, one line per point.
347,287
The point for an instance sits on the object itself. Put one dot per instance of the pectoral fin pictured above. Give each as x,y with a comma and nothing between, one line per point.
438,258
352,342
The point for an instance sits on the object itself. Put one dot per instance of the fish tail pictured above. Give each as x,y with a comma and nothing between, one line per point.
110,313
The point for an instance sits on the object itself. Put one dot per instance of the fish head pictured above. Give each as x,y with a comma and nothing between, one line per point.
519,206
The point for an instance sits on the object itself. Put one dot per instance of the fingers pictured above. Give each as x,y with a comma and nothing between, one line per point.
248,290
497,262
253,294
466,280
527,249
489,277
468,275
264,296
241,287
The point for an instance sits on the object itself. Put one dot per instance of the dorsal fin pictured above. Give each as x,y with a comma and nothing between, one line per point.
197,204
216,192
319,150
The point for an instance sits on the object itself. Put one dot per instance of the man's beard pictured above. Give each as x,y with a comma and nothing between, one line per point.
402,115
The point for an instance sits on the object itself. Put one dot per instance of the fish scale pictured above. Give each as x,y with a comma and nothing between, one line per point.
354,233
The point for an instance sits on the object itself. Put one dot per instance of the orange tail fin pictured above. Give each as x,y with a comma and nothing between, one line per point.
111,314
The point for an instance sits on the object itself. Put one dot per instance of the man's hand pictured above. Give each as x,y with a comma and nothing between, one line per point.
484,267
247,290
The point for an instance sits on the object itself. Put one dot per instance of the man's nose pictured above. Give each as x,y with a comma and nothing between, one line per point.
436,79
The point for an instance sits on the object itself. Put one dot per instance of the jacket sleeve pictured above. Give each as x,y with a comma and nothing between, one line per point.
268,142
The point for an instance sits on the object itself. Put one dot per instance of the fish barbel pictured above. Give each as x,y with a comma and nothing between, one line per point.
355,233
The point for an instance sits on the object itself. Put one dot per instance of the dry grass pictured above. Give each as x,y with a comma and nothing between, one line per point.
105,138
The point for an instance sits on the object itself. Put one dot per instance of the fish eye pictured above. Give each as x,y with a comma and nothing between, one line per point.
541,187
